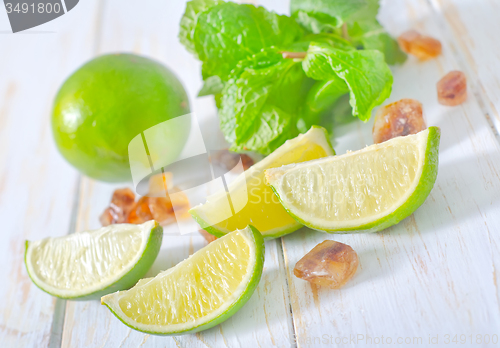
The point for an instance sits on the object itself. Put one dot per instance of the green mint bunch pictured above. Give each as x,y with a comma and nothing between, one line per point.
275,76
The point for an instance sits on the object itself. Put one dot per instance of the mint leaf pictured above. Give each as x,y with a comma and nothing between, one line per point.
218,100
320,99
337,10
366,73
323,94
188,21
341,111
367,12
212,85
228,33
371,35
331,39
261,102
338,114
316,22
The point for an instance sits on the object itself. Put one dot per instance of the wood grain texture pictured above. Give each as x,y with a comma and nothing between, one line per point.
264,321
37,187
436,272
472,28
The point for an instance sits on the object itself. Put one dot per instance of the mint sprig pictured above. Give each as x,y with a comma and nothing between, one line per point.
274,76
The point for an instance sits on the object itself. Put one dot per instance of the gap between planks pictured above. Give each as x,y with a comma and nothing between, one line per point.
56,330
461,61
288,300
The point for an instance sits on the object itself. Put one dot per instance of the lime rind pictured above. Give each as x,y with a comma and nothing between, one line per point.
131,275
420,193
217,232
245,290
327,138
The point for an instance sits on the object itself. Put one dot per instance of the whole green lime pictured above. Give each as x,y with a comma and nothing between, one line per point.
111,99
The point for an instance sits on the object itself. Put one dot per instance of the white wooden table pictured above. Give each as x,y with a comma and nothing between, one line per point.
435,274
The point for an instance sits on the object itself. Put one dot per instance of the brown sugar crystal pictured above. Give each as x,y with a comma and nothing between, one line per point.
452,89
122,202
403,117
140,212
227,160
159,184
422,47
161,209
329,264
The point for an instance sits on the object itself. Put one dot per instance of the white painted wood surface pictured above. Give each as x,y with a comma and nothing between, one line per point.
433,274
473,27
37,188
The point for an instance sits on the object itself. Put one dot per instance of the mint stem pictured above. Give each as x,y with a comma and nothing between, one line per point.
345,33
294,55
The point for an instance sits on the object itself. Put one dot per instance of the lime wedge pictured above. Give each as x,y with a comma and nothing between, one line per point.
366,190
198,293
87,265
260,207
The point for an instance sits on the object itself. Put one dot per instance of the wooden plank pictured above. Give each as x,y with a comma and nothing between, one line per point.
37,187
151,29
471,27
436,272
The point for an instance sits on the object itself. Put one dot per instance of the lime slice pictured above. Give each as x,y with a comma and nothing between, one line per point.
87,265
198,293
366,190
259,206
